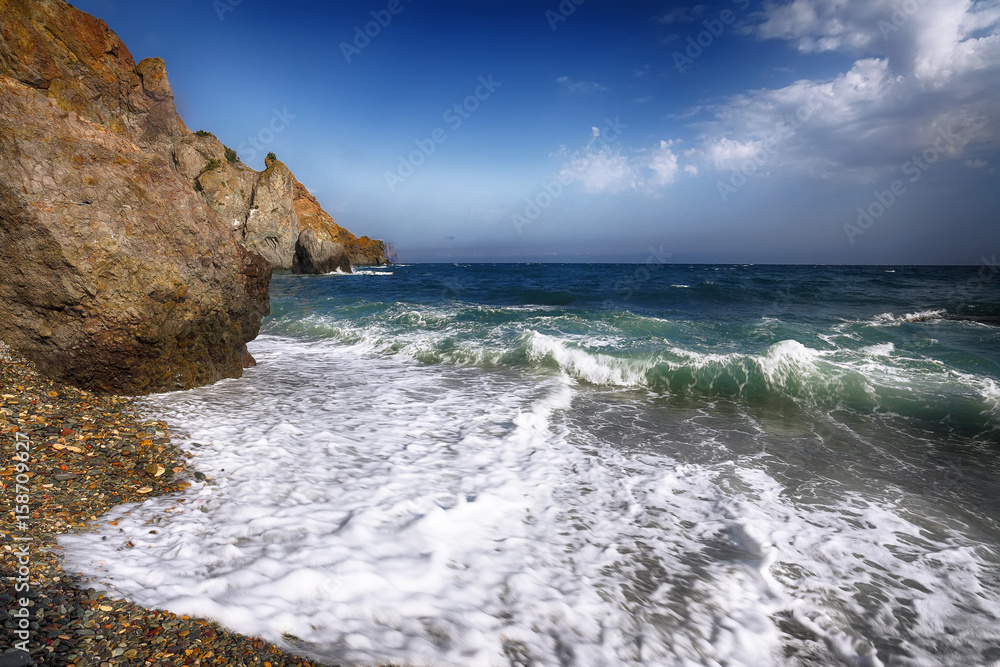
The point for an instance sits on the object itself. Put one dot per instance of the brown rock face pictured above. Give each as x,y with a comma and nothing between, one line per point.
78,62
271,228
319,256
115,275
227,187
362,252
266,210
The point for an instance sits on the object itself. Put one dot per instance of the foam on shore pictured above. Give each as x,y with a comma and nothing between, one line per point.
440,515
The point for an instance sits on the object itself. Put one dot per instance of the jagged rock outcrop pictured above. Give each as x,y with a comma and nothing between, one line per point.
361,251
77,61
318,256
266,210
271,228
226,185
115,275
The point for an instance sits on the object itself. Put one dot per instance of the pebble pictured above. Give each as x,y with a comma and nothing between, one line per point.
89,453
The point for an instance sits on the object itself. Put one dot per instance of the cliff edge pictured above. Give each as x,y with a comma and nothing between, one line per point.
267,210
135,255
115,275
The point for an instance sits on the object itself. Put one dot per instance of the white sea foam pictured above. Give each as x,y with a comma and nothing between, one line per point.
420,521
366,509
990,391
361,272
888,319
923,316
786,366
880,350
590,366
871,377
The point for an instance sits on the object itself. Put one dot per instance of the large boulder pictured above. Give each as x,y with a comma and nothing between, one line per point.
271,227
115,275
318,256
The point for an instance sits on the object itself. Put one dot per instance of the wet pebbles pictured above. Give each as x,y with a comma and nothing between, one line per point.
88,454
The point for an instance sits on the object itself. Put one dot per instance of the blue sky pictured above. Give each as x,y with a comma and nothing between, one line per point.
820,131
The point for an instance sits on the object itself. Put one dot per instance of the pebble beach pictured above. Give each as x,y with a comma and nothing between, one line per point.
89,453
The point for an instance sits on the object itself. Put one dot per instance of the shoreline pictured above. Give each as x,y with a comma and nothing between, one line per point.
88,454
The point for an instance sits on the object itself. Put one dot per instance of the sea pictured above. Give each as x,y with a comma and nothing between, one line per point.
592,464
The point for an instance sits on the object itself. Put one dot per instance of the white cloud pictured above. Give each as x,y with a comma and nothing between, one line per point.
579,87
604,170
601,167
682,14
924,76
819,25
923,67
663,163
931,39
727,154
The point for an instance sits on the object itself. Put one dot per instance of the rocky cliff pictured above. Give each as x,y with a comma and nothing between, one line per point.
115,274
361,251
135,255
266,210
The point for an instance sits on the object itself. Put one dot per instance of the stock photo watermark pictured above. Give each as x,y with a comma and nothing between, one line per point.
785,129
223,7
20,611
901,14
656,260
553,187
965,292
454,116
562,13
915,167
363,35
255,144
706,38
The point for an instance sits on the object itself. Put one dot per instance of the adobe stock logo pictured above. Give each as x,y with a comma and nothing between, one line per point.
900,15
223,7
703,40
566,9
255,144
915,167
455,116
363,36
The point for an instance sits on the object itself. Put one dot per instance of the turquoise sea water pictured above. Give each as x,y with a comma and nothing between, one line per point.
596,465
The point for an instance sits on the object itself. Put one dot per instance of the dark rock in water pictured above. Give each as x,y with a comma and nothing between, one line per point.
313,255
145,288
248,360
